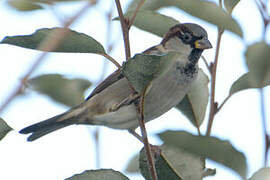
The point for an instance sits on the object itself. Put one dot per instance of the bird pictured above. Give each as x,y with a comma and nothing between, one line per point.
113,102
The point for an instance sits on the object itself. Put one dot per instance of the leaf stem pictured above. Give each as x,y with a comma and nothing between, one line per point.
111,59
213,104
147,146
222,104
135,13
49,44
206,63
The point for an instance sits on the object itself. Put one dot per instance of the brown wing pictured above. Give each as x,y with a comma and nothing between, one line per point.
115,76
155,50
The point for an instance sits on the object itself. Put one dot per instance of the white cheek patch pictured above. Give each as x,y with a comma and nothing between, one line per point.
176,44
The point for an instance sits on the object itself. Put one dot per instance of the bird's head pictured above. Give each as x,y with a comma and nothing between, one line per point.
186,38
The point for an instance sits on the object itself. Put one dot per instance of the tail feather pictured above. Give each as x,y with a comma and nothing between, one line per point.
42,128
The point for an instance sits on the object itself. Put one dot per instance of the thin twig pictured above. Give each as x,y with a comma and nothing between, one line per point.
213,72
125,24
125,29
267,145
213,104
51,42
111,59
206,64
147,146
266,19
135,13
222,104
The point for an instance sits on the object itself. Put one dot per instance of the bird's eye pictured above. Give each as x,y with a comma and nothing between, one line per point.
187,37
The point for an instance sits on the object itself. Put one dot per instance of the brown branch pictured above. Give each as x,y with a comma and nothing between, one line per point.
49,44
213,104
213,72
125,24
147,146
125,29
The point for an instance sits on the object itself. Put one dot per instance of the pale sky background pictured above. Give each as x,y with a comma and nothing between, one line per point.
71,150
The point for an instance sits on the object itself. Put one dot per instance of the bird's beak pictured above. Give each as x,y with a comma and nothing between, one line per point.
203,44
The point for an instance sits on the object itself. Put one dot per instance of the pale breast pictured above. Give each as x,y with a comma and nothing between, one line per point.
168,90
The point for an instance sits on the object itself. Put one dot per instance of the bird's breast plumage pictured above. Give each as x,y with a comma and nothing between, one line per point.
169,89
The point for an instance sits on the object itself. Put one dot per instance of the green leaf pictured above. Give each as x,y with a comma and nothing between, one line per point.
148,5
163,168
230,4
69,92
173,163
211,13
142,68
261,174
194,104
152,22
24,5
204,10
244,82
257,58
100,174
4,128
210,147
55,1
30,5
185,164
133,165
73,42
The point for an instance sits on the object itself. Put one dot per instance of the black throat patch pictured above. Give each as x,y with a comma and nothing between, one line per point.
190,69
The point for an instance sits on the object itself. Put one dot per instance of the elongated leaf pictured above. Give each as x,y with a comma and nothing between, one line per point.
244,82
230,4
30,5
205,10
152,22
142,69
261,174
148,5
211,13
66,91
4,128
24,5
209,147
257,58
74,42
194,105
100,174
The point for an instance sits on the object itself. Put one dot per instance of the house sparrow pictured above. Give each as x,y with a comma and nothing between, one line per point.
112,103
